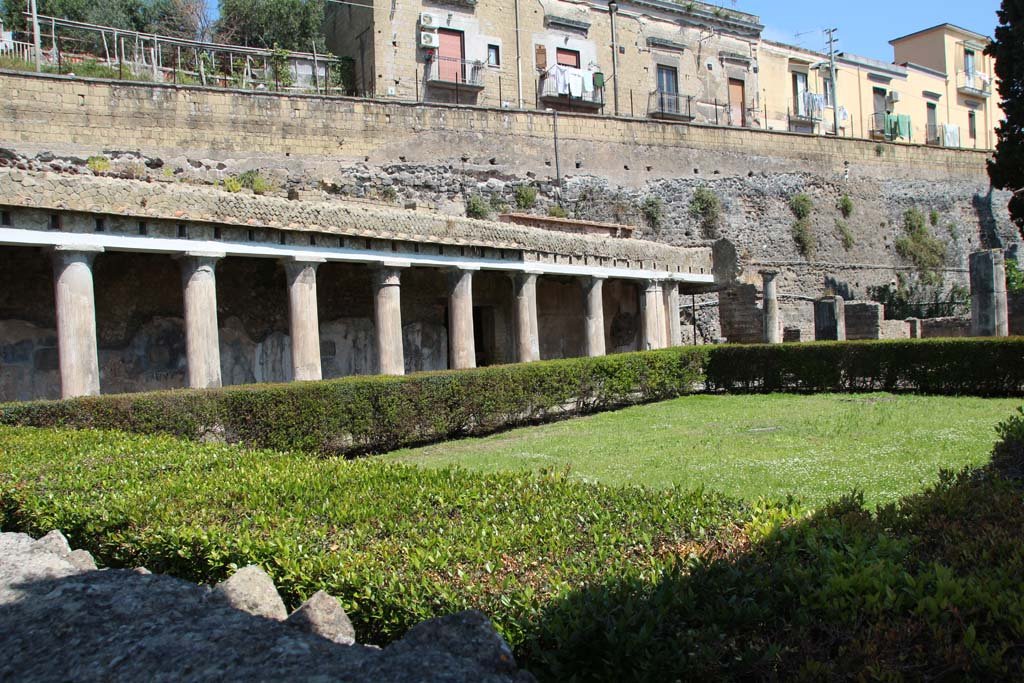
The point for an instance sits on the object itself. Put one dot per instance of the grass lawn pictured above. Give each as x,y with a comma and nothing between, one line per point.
814,447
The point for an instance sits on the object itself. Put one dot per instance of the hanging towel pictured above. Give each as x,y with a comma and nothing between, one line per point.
560,76
903,128
575,81
844,115
950,135
890,126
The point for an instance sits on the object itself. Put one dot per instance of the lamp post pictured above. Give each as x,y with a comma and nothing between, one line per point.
613,8
36,42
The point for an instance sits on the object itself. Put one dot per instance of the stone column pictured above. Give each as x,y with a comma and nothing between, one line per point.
524,286
830,319
202,339
303,317
461,342
76,320
673,325
988,294
387,318
772,326
593,305
652,313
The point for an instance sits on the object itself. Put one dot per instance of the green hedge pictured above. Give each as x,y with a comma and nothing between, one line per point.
587,582
374,414
962,367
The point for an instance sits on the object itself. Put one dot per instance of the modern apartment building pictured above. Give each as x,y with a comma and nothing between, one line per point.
684,61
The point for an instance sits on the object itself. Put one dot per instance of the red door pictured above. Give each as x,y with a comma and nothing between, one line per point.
737,103
449,67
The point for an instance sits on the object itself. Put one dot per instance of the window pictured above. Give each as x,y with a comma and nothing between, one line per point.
55,223
969,62
568,57
143,228
101,225
493,55
5,218
668,79
972,125
800,93
830,92
182,231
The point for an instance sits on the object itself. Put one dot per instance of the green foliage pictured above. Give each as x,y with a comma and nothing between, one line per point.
376,414
389,193
232,184
477,207
801,205
556,211
1006,168
706,207
803,236
280,67
845,206
1014,277
918,246
98,164
915,297
526,197
294,25
253,180
344,76
668,585
845,234
933,218
653,208
959,367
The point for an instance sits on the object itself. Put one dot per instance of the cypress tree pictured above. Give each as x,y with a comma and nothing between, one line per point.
1006,169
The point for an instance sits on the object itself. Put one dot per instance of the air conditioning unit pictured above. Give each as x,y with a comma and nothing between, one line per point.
428,39
428,20
894,96
471,3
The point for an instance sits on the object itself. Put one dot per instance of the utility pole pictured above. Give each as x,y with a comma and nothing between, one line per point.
613,8
36,42
832,40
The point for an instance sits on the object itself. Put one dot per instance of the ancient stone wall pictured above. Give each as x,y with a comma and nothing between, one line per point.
612,169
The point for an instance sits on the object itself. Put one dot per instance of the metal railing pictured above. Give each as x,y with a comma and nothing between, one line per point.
974,83
454,71
550,89
933,134
877,127
670,105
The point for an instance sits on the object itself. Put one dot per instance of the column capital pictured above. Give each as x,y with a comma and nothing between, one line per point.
768,274
387,276
70,253
304,260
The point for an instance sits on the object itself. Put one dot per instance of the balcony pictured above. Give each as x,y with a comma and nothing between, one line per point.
973,84
570,90
933,135
670,106
455,74
879,128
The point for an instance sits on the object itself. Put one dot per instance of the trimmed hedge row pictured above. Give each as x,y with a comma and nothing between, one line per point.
374,414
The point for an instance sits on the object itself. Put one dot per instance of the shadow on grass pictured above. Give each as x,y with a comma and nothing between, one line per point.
929,588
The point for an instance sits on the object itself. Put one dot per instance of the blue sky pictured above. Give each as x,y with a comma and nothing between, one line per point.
867,26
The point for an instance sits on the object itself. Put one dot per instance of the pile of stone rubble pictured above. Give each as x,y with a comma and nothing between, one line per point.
62,619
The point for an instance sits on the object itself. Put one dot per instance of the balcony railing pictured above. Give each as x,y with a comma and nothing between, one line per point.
878,128
450,72
933,134
973,83
573,88
17,50
670,105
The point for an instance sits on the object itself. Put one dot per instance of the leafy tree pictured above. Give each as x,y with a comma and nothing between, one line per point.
294,25
180,18
1006,169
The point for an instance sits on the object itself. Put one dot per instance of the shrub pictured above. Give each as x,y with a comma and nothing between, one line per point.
803,236
585,581
933,218
98,164
374,414
845,206
526,197
918,246
845,235
706,208
1014,277
556,211
653,208
232,184
477,207
255,181
801,205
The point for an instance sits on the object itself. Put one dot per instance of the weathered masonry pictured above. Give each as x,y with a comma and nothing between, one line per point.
118,285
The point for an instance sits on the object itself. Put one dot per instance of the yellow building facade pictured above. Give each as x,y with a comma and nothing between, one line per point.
684,61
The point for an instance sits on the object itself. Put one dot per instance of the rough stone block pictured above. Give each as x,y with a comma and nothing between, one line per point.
251,590
323,615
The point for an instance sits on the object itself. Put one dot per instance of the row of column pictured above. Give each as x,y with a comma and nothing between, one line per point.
76,318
